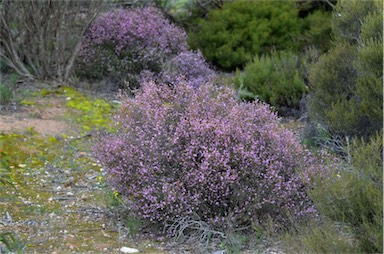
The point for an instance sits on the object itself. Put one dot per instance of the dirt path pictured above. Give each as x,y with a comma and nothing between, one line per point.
59,204
45,116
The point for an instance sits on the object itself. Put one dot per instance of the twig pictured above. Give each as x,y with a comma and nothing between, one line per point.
89,229
190,230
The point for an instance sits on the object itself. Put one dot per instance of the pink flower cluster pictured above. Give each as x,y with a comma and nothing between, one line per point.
189,150
126,41
187,65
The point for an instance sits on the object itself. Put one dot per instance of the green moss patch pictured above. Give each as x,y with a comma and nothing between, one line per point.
91,113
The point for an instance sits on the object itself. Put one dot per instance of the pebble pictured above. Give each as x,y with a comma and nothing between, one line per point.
219,252
70,181
128,250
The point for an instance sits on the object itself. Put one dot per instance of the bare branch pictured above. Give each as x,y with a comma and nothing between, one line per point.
42,38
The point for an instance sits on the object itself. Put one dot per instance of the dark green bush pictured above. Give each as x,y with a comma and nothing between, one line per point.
232,35
354,195
333,81
317,30
274,79
347,81
348,16
5,94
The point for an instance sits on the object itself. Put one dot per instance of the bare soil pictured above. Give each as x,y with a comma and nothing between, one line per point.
46,118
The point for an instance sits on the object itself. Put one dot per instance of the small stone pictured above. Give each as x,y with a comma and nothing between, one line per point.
219,252
128,250
69,182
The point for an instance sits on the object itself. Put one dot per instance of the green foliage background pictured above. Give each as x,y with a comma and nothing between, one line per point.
234,34
275,79
347,81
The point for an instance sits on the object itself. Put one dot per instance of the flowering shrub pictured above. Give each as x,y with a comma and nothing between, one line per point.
123,42
187,65
199,151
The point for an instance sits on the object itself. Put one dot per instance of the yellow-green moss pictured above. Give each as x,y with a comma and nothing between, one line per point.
92,114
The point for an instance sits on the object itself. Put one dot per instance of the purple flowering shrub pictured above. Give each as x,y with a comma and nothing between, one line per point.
123,42
187,65
188,151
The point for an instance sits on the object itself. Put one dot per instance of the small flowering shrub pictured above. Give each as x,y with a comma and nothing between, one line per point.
123,42
187,65
190,151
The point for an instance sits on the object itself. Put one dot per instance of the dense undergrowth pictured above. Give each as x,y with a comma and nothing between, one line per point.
191,158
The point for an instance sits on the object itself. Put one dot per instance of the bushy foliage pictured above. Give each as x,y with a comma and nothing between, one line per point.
354,195
347,81
123,42
5,94
187,13
320,236
232,35
188,65
274,79
348,19
186,152
317,30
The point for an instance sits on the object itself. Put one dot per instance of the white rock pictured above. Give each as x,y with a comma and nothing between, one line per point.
219,252
128,250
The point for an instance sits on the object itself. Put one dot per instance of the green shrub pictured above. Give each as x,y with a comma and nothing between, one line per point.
333,79
354,195
347,81
322,236
232,35
274,79
348,16
5,94
317,27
